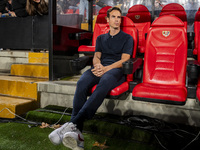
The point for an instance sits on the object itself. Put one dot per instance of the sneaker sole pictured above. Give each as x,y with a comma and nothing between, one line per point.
52,141
70,142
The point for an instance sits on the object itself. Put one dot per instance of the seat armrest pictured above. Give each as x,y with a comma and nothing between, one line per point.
79,63
130,66
190,36
86,49
192,77
193,67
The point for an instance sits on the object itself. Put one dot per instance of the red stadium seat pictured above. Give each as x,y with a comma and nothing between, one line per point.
128,27
164,71
175,9
101,17
197,39
99,28
196,31
69,11
141,17
198,90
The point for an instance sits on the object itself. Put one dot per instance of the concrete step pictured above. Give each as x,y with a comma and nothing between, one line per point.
4,71
7,58
14,53
34,57
61,93
30,70
23,87
9,106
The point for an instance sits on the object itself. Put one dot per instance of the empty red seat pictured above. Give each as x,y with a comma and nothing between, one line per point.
175,9
128,27
141,17
196,31
101,17
197,40
165,60
198,89
69,11
99,28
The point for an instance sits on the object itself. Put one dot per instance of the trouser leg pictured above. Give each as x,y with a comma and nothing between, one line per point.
86,82
108,81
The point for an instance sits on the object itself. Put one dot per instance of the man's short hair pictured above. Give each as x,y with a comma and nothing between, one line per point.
111,9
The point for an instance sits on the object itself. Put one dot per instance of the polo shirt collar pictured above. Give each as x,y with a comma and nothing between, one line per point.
109,36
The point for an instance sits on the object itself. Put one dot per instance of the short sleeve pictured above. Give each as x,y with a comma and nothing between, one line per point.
128,46
98,44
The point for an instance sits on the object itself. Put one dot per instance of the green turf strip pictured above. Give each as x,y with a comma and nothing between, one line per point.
15,136
122,137
96,126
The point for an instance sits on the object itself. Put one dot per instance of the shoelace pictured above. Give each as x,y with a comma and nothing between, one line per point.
69,126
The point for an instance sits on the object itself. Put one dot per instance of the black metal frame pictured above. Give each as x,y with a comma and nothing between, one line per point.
53,21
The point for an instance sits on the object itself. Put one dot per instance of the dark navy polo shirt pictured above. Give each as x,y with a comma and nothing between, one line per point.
112,47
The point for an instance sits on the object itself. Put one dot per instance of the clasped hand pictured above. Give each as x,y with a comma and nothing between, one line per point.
98,70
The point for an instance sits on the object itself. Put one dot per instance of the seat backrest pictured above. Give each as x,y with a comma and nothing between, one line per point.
101,23
99,29
128,27
166,52
141,17
175,9
101,17
197,29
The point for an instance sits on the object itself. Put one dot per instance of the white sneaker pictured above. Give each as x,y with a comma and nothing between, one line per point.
56,136
74,140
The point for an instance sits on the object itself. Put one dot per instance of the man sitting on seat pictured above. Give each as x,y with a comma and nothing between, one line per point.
112,49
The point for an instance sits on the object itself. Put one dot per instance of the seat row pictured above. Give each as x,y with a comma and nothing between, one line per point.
165,60
141,17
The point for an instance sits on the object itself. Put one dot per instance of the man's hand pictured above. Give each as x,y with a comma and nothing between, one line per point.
98,70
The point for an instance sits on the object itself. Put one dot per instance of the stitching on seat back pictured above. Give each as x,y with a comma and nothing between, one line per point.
141,17
166,52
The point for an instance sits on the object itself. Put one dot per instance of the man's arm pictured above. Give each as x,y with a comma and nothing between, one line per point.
96,59
99,69
117,64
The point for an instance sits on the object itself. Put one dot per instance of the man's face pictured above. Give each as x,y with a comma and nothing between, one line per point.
115,19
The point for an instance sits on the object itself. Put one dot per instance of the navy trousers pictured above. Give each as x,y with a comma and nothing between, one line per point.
86,109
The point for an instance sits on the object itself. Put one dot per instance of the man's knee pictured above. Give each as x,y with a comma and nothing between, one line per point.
86,80
82,83
106,83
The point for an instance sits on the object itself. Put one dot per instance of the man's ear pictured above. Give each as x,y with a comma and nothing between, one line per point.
107,19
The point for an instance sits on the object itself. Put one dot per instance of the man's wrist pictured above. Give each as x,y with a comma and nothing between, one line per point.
107,68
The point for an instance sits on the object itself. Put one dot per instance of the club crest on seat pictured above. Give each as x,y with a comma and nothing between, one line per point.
165,33
137,17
